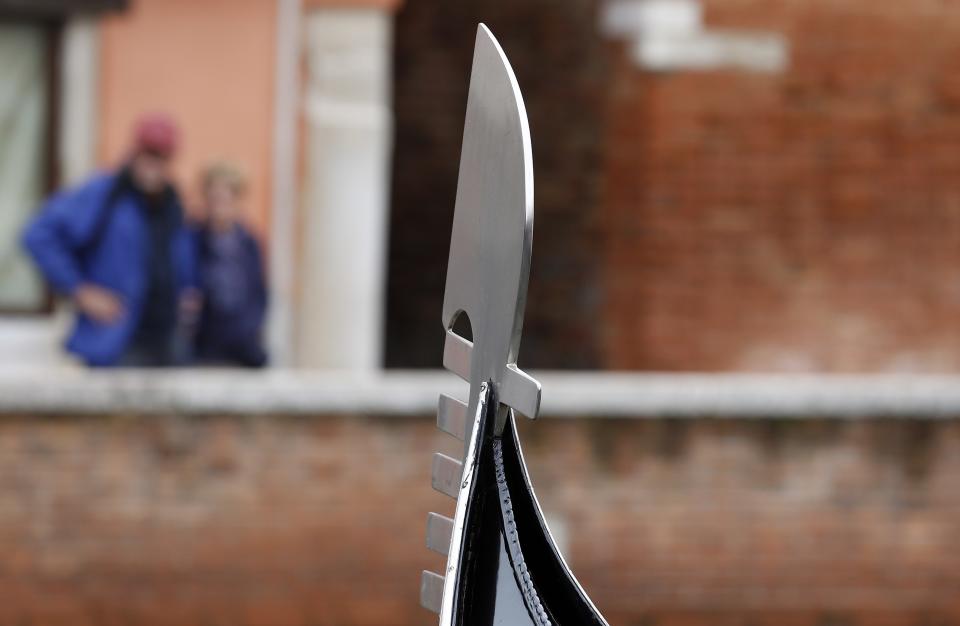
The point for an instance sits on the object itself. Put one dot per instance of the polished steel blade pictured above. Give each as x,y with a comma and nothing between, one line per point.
490,244
439,532
431,591
446,474
452,416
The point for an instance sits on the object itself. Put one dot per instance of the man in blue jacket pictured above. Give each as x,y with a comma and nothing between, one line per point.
118,246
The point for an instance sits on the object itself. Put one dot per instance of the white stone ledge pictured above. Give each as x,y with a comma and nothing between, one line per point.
399,393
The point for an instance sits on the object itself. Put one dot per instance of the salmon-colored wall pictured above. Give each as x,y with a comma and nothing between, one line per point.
210,64
389,5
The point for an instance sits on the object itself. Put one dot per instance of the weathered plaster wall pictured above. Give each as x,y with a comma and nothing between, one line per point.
209,64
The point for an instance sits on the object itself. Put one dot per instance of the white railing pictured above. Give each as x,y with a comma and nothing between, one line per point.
415,393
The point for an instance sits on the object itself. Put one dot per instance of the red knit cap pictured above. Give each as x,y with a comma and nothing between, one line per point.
157,134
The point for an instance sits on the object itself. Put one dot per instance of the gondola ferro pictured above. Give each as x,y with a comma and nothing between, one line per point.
502,564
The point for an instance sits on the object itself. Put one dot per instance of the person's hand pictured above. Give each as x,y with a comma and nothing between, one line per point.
99,303
191,301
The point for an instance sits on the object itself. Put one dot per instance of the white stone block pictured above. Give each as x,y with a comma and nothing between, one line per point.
627,18
757,52
669,35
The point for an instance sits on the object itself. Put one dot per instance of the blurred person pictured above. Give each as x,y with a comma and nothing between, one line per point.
233,287
117,245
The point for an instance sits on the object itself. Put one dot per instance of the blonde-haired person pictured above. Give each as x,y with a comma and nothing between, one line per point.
232,282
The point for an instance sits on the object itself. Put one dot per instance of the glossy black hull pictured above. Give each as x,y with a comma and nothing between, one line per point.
511,571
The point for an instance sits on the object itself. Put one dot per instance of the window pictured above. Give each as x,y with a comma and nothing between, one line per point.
26,79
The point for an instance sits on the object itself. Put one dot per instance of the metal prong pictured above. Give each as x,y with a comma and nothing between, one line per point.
520,391
439,531
446,474
431,591
456,355
452,416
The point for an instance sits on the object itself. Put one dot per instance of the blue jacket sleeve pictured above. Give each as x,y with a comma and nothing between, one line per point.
64,223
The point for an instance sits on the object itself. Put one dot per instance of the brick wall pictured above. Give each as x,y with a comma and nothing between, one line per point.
806,220
294,521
